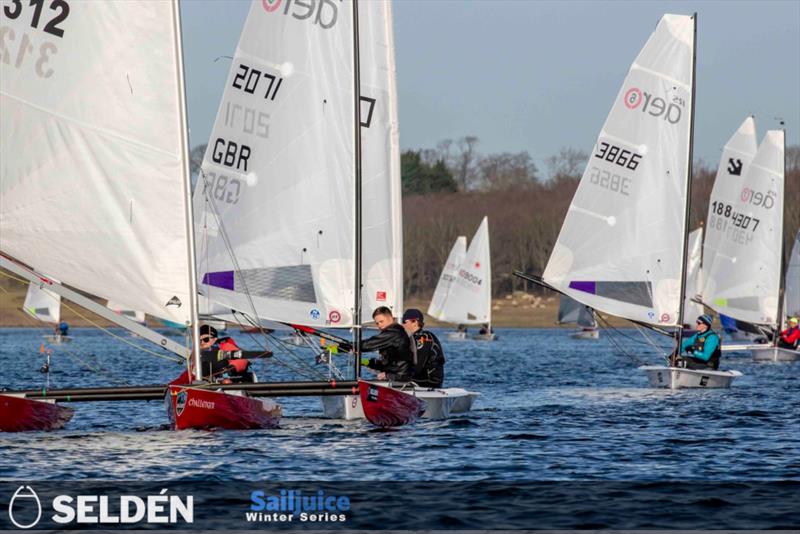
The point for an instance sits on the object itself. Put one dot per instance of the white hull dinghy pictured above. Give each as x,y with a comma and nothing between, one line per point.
586,334
440,403
57,339
456,336
485,337
774,354
680,378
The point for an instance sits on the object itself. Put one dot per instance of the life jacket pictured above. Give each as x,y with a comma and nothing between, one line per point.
700,343
791,335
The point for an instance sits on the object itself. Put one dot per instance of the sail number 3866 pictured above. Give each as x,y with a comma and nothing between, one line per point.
51,23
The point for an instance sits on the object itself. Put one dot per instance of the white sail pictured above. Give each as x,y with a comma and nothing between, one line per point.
571,311
694,277
736,157
380,137
792,288
133,315
469,300
448,276
743,279
92,150
619,250
42,304
286,194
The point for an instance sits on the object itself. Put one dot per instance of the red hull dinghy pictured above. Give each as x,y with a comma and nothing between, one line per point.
191,407
385,406
18,414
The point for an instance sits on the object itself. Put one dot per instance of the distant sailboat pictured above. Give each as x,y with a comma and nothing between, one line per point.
44,305
570,311
792,289
463,295
744,279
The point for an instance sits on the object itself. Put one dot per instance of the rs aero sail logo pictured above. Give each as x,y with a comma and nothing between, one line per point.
655,106
323,13
25,508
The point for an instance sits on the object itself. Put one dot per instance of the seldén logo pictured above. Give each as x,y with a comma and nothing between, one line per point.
324,13
654,106
25,508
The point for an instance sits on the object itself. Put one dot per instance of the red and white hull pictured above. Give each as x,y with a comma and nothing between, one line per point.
386,407
19,414
190,407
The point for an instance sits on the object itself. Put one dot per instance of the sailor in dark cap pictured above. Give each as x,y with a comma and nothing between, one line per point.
703,349
429,356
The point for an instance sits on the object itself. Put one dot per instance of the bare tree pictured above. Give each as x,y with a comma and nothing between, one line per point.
568,163
463,164
504,171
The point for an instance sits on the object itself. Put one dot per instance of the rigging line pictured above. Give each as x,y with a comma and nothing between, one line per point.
226,240
617,344
277,344
65,303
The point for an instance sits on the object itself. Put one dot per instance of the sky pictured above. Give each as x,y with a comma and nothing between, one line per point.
540,75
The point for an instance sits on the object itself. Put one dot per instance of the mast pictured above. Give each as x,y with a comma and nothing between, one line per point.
357,219
781,268
187,189
688,207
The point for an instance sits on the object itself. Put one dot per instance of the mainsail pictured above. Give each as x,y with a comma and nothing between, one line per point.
792,287
743,278
619,250
469,299
694,277
275,203
448,277
42,304
92,154
733,165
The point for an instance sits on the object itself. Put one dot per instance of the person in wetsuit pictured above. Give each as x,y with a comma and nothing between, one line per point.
703,349
218,359
429,361
396,362
790,338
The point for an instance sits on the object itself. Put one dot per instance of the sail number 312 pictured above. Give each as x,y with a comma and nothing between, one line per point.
15,8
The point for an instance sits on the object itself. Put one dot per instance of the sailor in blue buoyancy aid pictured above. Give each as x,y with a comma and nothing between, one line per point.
703,349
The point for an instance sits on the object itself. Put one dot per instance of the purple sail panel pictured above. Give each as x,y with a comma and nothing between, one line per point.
586,287
222,279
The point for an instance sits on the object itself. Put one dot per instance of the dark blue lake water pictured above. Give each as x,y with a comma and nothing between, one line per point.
552,408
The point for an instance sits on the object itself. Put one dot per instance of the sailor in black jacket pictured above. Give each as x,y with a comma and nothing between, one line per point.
429,360
397,360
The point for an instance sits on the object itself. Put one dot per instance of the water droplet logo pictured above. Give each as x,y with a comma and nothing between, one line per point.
21,506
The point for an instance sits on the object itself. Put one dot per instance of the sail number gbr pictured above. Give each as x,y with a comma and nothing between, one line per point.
52,21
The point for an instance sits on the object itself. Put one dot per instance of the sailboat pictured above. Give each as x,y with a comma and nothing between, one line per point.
737,154
464,293
44,305
745,280
622,249
123,229
570,311
295,225
446,280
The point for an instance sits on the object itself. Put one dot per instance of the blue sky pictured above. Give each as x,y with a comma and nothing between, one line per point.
540,75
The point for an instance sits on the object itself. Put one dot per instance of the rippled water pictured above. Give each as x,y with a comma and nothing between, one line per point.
552,408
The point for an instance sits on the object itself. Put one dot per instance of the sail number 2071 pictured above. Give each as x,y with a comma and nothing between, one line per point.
51,22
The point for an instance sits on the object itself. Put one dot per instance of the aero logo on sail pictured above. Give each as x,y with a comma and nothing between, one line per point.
324,12
654,106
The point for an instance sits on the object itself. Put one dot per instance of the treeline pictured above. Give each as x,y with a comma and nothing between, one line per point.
525,210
